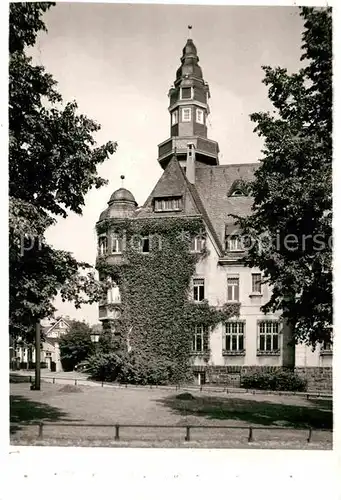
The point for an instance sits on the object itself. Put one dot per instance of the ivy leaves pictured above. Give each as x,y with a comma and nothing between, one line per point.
156,308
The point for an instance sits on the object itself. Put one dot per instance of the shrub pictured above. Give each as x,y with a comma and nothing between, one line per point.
104,366
130,369
280,380
141,371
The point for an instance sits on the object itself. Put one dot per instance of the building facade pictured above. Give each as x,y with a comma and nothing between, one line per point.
23,355
194,185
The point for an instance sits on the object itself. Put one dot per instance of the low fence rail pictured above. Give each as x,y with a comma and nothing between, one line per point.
204,387
249,434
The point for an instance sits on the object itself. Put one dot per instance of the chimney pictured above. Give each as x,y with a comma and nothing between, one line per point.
190,163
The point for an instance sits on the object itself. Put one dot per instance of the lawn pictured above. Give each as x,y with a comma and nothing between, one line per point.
96,405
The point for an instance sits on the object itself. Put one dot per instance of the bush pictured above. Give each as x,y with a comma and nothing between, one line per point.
104,366
141,371
129,369
280,380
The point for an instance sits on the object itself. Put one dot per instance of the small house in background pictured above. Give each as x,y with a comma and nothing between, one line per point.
24,354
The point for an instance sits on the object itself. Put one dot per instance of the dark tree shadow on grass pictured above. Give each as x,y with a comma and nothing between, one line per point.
254,412
25,411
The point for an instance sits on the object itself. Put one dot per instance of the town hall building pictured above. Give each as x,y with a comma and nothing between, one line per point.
194,184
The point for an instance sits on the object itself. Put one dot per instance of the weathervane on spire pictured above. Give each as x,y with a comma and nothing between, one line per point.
189,31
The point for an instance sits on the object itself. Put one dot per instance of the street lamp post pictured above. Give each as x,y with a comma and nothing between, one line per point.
94,337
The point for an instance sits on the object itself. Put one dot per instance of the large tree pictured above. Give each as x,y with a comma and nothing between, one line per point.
291,222
76,346
53,160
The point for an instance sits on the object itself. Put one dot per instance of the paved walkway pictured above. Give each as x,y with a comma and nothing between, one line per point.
79,378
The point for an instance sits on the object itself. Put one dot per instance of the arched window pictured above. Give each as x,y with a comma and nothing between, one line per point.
102,245
117,243
237,192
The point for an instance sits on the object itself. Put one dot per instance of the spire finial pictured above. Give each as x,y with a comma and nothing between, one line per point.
122,179
189,31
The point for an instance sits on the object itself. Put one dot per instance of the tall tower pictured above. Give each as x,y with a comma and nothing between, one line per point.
188,109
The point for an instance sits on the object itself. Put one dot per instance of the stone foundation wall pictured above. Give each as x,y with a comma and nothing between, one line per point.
318,379
223,375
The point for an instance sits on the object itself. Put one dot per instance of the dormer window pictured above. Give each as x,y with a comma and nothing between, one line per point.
167,204
233,243
186,93
175,117
186,114
199,116
240,187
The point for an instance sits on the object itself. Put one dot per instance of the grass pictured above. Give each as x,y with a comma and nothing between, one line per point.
317,415
96,405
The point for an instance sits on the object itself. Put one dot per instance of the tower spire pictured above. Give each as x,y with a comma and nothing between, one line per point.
189,109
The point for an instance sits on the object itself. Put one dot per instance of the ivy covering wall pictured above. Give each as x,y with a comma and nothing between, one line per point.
157,314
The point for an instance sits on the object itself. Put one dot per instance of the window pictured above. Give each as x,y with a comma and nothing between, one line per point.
234,336
198,289
198,244
233,289
114,313
102,245
167,205
190,149
186,93
237,192
233,243
327,346
200,116
199,339
175,117
113,294
143,244
268,338
256,283
117,244
186,114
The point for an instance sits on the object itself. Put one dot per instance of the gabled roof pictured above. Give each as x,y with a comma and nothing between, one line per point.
173,182
209,197
52,327
213,184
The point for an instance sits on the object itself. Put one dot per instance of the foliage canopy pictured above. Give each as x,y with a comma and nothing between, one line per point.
53,160
291,222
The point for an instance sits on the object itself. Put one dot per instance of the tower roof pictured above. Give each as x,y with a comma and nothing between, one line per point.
189,62
122,195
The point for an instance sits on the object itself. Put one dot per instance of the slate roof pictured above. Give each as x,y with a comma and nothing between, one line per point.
213,185
208,197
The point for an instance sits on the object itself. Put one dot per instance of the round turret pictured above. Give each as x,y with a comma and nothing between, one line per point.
121,204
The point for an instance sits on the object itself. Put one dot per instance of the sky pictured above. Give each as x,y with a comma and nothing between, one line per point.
118,62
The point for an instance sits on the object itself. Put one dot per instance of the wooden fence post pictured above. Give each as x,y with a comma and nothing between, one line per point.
117,432
40,434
